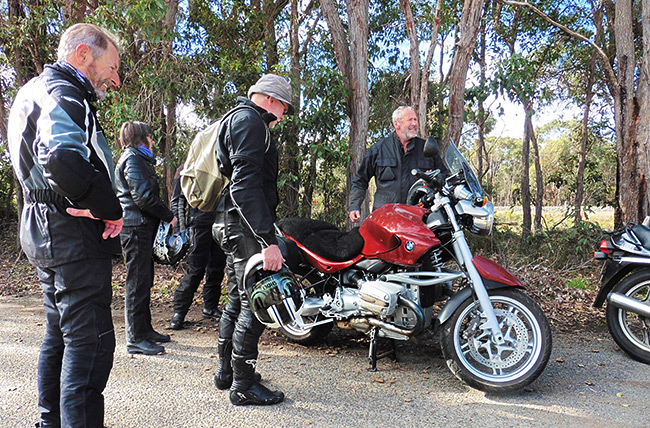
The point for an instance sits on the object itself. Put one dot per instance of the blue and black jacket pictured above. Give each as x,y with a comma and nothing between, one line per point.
62,159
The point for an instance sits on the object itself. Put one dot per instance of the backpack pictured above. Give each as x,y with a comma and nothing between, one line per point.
201,179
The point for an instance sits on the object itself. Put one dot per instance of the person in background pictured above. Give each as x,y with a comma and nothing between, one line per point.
248,155
206,259
139,195
390,161
70,221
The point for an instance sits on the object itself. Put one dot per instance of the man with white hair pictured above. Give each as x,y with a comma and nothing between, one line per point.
390,161
70,221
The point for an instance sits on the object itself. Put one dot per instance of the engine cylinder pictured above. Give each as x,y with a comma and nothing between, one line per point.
379,297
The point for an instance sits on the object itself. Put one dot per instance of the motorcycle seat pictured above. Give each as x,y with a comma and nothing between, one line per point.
323,239
643,234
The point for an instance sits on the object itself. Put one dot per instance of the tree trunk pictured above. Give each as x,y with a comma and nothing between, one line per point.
525,185
584,139
420,78
414,52
468,28
352,60
539,180
170,115
480,148
630,148
643,96
290,164
74,11
426,70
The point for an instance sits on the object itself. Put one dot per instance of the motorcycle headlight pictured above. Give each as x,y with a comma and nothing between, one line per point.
480,219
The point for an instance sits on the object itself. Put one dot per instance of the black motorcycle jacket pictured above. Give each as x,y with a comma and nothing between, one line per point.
138,189
62,160
391,167
247,154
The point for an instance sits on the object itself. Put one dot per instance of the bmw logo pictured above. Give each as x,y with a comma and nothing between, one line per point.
410,245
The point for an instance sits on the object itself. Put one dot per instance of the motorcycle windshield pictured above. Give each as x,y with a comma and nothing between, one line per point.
456,164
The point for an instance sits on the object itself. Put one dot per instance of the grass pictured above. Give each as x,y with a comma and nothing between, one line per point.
580,283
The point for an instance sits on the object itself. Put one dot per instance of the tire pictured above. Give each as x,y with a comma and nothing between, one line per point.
506,368
631,331
313,336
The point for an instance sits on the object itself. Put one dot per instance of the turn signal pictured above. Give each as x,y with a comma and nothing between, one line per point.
480,202
604,251
604,247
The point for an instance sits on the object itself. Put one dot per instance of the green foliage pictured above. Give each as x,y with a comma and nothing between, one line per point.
566,248
7,200
580,283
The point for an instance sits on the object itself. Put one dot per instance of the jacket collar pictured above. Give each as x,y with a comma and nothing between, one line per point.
135,151
75,77
398,143
268,117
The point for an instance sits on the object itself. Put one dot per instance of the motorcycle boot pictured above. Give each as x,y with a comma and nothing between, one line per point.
246,390
223,378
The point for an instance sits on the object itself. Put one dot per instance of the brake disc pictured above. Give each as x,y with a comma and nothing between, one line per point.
486,352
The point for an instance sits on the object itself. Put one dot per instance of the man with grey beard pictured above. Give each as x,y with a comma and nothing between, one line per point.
390,161
70,221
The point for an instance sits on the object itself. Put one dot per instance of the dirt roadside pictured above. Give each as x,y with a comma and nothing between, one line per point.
588,382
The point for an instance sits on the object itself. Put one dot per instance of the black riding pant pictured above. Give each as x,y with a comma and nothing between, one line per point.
77,352
238,321
206,259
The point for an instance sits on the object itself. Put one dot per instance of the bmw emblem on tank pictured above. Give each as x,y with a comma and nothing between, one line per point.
410,245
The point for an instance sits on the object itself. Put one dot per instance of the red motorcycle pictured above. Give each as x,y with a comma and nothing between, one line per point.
384,278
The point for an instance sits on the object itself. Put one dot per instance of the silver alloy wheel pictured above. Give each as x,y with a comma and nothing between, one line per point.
490,361
635,327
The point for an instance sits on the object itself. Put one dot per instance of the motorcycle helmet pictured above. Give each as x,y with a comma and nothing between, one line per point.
275,298
170,248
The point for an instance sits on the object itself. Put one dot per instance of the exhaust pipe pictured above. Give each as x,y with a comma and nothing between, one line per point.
624,302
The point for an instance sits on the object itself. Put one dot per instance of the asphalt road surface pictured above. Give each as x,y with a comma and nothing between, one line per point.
587,383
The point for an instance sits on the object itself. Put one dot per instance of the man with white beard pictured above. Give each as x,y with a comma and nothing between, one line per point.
390,161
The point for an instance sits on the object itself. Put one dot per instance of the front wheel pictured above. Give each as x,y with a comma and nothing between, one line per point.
630,330
476,359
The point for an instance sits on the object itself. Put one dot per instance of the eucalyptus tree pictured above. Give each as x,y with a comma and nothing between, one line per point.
466,41
624,64
527,77
348,26
420,72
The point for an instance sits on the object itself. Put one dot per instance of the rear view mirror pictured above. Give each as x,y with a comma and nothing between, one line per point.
431,148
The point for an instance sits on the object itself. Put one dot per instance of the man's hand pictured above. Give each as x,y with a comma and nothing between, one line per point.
112,228
272,258
355,216
174,223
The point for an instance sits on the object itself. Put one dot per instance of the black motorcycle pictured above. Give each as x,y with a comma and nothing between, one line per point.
625,285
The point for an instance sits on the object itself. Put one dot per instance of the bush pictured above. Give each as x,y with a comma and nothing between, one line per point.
560,249
7,198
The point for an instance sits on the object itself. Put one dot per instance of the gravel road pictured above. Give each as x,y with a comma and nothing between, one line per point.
587,383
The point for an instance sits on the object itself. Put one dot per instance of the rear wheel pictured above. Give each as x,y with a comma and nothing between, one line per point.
294,332
476,359
313,336
631,331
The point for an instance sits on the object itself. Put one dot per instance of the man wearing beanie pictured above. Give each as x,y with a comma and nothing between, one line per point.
243,227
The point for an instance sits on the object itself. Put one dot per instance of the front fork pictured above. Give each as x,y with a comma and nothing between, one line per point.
464,254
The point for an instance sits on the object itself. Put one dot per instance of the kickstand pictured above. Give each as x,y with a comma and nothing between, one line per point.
372,352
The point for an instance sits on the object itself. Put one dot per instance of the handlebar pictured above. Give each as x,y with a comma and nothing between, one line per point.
433,178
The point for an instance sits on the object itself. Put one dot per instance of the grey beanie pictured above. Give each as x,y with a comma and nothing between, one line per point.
274,86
